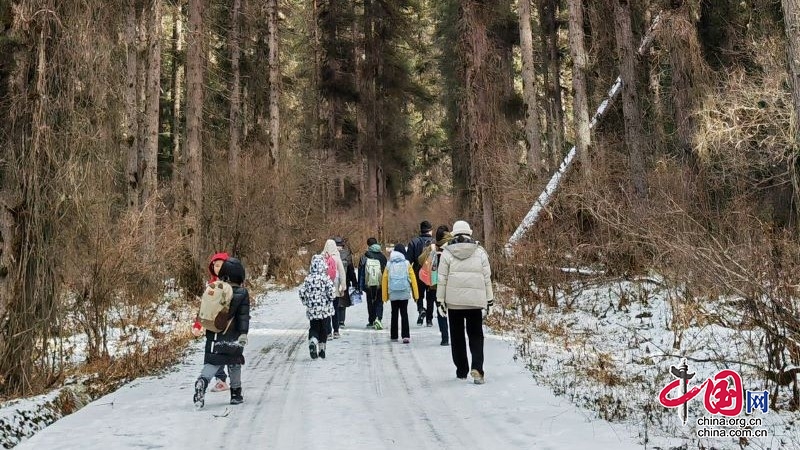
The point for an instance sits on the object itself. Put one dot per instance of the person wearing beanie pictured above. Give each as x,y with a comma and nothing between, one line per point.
227,346
214,265
370,272
415,249
464,291
399,285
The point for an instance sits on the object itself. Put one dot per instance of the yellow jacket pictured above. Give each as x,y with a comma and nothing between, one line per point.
385,283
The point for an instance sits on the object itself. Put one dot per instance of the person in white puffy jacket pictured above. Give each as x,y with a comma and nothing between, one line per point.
464,292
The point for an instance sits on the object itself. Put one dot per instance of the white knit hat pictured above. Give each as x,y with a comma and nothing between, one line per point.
461,227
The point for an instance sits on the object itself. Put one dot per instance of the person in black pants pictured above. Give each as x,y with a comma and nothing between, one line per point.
414,250
399,285
370,273
465,292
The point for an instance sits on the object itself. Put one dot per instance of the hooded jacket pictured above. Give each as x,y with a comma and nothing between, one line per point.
340,283
464,275
215,257
222,348
316,292
370,254
398,258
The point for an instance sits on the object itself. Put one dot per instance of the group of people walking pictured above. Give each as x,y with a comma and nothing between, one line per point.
448,272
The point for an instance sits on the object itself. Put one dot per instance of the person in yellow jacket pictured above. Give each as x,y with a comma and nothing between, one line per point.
399,284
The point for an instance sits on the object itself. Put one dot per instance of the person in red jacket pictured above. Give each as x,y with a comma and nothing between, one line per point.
214,264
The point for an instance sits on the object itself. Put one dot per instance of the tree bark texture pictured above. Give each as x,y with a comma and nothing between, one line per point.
274,84
581,102
548,17
631,108
178,158
533,133
235,116
150,178
130,126
194,126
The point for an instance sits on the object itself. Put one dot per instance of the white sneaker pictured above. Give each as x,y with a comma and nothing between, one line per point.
220,386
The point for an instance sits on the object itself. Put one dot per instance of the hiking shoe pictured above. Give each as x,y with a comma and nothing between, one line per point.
236,396
199,393
220,386
336,335
477,378
406,340
378,324
312,349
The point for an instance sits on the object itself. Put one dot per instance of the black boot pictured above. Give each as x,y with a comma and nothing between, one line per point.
236,396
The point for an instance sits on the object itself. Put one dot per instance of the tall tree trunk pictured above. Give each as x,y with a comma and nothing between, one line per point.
548,16
484,87
150,178
631,109
194,126
130,141
274,84
178,159
791,21
532,131
368,105
234,142
358,46
685,62
581,105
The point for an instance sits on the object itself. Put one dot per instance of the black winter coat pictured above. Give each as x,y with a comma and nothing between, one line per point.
223,348
415,248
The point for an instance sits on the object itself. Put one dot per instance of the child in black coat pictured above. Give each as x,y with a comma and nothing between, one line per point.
227,347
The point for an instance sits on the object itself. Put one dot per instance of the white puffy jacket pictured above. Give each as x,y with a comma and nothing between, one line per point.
464,277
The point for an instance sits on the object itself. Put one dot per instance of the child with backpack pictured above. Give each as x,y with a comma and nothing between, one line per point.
225,313
370,273
399,285
316,294
214,264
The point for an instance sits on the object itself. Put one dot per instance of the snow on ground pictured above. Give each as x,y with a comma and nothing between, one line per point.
608,347
369,393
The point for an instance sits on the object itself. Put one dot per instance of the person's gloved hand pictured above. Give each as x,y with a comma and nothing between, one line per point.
243,339
441,308
488,309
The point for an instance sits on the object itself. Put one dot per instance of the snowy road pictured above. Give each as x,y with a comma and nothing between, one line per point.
369,393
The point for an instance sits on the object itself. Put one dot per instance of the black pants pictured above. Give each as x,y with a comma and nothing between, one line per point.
318,328
399,307
426,300
473,318
342,313
374,304
333,321
441,320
